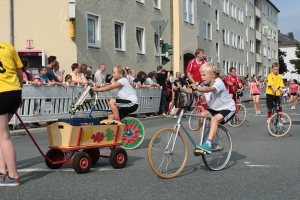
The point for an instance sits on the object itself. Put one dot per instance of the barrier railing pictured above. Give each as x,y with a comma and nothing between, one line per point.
53,102
246,93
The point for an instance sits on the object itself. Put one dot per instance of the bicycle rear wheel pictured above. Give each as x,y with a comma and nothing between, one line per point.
239,117
167,153
134,133
221,150
194,121
277,127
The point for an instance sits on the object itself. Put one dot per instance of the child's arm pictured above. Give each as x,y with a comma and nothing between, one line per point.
107,88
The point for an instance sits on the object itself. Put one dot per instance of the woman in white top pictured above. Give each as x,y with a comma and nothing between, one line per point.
127,101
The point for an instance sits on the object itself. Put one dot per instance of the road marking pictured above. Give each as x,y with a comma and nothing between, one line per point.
64,170
249,165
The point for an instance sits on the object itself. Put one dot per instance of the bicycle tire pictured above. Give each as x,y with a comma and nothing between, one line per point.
134,133
194,121
221,150
279,129
240,117
163,161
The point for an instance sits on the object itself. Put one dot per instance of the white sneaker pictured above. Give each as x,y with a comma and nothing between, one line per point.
292,107
164,114
283,121
175,116
258,112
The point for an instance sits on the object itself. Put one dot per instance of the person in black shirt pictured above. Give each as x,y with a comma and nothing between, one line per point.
161,80
140,80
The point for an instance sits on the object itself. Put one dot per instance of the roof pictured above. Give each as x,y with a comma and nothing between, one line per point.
273,5
286,40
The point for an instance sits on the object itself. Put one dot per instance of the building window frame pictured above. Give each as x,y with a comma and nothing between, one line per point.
140,34
96,32
119,42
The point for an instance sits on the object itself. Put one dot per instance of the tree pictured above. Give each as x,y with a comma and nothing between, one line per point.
296,62
283,68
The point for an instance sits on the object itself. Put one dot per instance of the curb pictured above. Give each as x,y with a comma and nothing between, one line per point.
22,132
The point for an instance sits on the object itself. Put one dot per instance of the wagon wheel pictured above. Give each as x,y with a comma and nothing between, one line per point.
118,158
94,153
82,162
54,155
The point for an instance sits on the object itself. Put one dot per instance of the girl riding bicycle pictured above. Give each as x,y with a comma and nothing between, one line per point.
127,101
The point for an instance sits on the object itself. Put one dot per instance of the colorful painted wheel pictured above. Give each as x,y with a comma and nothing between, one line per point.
54,155
118,158
134,133
94,153
82,162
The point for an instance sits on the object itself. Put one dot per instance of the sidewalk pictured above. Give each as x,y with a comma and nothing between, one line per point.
43,128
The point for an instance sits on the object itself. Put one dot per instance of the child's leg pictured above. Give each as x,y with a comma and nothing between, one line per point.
257,102
114,109
214,126
254,103
205,113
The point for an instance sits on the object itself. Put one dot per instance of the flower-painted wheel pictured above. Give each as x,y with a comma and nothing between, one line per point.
82,162
134,133
118,158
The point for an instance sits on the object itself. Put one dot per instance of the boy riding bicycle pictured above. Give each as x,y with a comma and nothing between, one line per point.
274,87
221,105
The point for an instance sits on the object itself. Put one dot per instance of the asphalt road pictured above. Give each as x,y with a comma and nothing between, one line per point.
261,167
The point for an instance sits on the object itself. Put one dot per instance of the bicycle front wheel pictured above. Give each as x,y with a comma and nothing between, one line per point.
239,117
134,133
194,121
167,153
221,150
278,127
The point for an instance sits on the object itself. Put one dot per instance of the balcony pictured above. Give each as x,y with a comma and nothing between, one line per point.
257,12
258,35
258,58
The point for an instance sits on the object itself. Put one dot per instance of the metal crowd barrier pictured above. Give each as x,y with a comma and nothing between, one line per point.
54,102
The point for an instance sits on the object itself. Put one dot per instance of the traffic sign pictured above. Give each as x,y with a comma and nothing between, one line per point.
159,26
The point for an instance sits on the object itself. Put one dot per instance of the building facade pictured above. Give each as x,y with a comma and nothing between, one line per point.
230,32
87,31
287,44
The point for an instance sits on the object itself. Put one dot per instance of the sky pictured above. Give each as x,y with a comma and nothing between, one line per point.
289,16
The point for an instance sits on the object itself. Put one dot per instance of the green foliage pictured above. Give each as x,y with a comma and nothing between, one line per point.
296,62
283,67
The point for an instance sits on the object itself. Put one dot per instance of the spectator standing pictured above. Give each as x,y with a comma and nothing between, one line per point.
26,72
132,75
255,93
11,79
193,72
49,68
293,93
232,83
161,80
140,80
88,75
82,72
151,80
59,75
99,76
75,78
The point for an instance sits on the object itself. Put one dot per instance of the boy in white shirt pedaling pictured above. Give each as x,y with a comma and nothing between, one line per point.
221,105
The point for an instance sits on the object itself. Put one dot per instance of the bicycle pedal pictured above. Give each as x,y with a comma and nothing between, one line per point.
198,152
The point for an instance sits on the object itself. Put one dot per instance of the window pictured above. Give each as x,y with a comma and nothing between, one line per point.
240,15
206,29
252,69
246,8
233,10
226,7
140,1
233,39
274,35
156,44
217,19
140,40
208,58
264,50
247,33
275,55
119,36
241,42
226,66
269,53
251,22
226,36
265,71
93,31
207,2
157,4
188,11
251,46
217,52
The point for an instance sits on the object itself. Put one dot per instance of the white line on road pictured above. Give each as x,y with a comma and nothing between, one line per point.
262,165
65,170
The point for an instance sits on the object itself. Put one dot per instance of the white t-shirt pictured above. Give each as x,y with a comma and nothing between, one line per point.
127,92
219,99
99,77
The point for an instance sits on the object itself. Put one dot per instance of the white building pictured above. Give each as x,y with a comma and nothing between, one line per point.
287,44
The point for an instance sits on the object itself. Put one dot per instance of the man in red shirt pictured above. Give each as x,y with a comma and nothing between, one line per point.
232,82
193,71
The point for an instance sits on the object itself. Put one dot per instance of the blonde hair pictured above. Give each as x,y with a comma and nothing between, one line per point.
122,71
275,64
208,67
132,72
